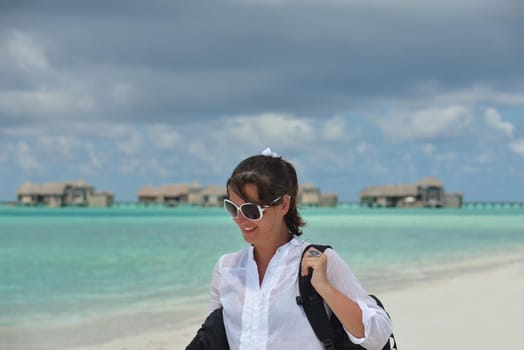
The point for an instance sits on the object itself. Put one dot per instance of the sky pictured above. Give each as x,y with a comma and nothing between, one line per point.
354,93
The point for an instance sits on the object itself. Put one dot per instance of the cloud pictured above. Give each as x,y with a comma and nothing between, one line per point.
164,137
204,152
429,149
342,88
486,158
131,143
316,58
334,129
58,146
159,169
130,167
518,147
32,89
4,156
425,124
44,103
494,119
24,157
473,94
446,157
22,52
270,129
94,161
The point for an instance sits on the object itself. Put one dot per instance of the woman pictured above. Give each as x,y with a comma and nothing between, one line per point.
258,285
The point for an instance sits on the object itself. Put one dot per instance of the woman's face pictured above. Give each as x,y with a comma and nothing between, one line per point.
263,230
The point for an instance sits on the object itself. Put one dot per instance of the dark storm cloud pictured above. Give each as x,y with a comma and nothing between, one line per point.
176,91
213,58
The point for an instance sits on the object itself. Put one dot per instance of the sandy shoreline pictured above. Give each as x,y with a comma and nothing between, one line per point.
477,307
474,305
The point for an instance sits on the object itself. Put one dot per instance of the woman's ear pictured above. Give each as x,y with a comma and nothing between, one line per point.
285,205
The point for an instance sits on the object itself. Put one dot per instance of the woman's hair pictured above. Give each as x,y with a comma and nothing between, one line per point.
274,177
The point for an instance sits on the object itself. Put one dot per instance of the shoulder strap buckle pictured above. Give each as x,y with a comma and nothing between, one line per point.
328,344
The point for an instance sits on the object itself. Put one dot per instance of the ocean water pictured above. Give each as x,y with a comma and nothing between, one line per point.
70,265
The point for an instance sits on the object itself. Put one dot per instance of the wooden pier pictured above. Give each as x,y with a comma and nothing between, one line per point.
492,205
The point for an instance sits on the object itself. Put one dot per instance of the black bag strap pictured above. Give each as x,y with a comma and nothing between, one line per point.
317,316
313,304
392,342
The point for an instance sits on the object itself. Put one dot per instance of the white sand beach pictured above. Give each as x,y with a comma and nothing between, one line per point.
474,309
477,305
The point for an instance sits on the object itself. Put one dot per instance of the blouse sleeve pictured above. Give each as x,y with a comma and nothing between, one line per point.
377,324
214,302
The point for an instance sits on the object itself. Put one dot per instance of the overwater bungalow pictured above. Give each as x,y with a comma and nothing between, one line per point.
175,194
428,192
309,195
62,194
328,200
212,195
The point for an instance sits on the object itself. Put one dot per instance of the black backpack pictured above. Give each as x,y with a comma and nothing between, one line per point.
330,331
212,334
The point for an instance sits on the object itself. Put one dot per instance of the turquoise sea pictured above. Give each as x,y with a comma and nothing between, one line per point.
72,266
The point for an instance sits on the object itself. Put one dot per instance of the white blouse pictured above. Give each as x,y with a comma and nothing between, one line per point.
267,316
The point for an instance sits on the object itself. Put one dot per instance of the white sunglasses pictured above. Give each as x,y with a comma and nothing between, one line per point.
250,211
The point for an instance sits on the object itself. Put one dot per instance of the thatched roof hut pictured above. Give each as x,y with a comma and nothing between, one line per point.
56,193
213,195
27,189
429,191
400,190
430,181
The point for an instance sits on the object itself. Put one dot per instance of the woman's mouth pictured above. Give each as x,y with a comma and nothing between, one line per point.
248,229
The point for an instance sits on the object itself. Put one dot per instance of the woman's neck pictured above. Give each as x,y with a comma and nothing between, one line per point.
263,253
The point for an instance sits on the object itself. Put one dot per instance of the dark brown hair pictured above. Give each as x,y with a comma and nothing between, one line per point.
274,177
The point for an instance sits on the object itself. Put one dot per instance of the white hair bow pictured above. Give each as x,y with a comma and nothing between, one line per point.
269,153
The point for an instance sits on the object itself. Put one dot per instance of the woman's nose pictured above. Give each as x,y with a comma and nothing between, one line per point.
240,218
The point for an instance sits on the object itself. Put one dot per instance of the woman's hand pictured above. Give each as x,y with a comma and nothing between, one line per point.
317,261
347,311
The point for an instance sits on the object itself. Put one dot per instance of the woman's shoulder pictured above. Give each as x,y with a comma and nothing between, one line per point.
298,243
235,258
303,244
